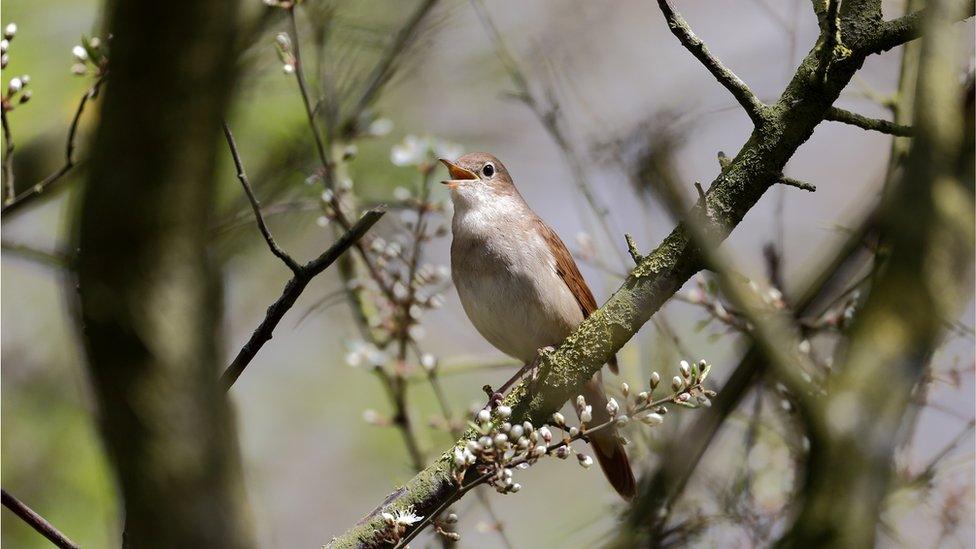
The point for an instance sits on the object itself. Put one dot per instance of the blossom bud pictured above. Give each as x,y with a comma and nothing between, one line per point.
586,415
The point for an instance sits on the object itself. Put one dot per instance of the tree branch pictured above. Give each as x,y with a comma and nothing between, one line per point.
36,521
294,288
49,183
926,277
8,158
847,117
905,29
781,129
386,68
256,206
680,28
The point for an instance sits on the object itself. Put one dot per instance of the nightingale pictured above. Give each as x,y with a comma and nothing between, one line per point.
520,286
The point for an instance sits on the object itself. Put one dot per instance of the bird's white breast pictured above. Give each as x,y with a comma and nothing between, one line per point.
506,278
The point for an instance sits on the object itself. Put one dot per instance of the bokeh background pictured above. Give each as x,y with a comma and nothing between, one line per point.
312,466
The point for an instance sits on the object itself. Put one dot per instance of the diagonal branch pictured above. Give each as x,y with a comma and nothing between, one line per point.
256,206
781,129
847,117
294,288
680,28
386,68
36,521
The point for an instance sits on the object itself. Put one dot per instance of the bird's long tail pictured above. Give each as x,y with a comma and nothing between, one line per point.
609,451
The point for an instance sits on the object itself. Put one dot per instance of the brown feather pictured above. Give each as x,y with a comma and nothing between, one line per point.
567,270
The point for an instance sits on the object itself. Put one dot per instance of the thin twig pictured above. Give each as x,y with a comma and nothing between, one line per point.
548,116
326,166
8,157
59,260
384,70
256,206
36,521
847,117
294,288
244,218
799,184
680,29
49,183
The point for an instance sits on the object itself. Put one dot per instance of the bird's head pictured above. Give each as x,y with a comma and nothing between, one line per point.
478,178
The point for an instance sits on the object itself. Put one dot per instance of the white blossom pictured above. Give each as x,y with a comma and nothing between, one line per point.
586,414
401,193
409,152
381,127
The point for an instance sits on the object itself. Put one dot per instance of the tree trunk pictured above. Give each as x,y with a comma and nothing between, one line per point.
149,294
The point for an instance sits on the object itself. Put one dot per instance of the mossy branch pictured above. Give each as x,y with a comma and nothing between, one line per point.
780,130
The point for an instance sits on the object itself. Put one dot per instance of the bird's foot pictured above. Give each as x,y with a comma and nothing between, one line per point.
532,368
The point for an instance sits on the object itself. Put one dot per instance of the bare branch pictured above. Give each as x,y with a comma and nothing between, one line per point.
680,28
49,183
802,185
847,117
256,206
326,166
36,521
8,157
294,288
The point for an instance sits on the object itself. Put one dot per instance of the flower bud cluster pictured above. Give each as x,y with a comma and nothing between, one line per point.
16,92
90,57
397,522
502,446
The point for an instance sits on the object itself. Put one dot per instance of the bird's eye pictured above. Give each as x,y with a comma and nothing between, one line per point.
488,170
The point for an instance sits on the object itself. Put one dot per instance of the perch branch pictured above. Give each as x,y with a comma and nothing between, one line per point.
759,164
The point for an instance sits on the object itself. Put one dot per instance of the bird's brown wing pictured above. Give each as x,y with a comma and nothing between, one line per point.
570,273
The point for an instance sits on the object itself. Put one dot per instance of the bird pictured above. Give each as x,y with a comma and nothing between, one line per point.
520,287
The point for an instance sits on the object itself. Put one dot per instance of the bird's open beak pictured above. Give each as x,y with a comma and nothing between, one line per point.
458,174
